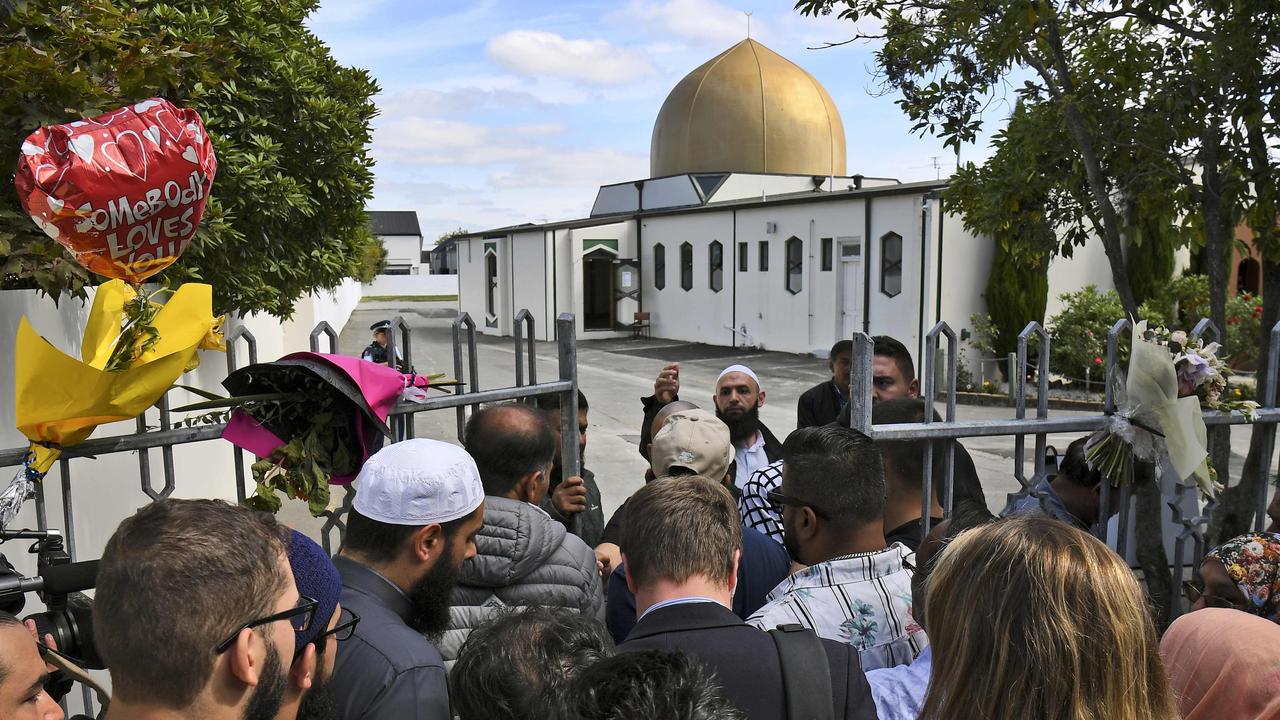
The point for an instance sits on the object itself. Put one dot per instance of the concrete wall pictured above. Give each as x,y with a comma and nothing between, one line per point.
107,488
423,284
774,318
698,314
531,280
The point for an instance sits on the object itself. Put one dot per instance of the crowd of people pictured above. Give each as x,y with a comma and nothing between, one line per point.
749,577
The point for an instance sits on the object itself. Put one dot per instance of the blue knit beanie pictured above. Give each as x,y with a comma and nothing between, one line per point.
315,576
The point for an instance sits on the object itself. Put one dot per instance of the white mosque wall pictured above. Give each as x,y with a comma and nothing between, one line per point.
470,279
698,314
1087,266
747,186
899,315
966,265
529,271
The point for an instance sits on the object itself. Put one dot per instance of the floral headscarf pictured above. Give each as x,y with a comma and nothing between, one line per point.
1253,562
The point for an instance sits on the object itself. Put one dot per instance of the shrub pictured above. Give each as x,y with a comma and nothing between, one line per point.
1078,334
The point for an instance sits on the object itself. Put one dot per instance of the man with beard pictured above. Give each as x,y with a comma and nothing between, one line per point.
195,604
315,648
573,498
418,506
856,588
738,399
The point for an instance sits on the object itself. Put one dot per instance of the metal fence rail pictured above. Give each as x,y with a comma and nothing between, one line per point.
1186,529
167,436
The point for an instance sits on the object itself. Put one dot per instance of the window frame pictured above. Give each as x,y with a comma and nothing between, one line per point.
891,267
686,266
794,267
828,254
659,266
744,253
764,255
715,266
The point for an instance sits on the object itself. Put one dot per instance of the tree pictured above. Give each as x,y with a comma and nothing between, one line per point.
290,127
947,58
1171,105
450,234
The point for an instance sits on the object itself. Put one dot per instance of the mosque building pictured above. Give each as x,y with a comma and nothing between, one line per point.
750,231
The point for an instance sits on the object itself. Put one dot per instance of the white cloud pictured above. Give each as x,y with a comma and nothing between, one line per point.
534,53
702,20
551,166
458,101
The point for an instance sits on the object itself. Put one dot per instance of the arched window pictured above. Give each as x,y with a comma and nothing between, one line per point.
659,266
686,266
795,264
715,257
891,264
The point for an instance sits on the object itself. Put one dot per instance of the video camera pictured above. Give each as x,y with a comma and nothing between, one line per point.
57,582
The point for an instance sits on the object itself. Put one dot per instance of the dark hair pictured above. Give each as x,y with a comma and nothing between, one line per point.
518,666
175,579
681,527
382,542
886,346
508,442
841,347
647,685
907,456
551,403
1075,466
838,470
6,620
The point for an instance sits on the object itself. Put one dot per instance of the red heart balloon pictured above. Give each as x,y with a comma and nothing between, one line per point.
124,191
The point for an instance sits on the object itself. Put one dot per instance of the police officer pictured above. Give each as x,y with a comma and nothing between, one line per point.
377,350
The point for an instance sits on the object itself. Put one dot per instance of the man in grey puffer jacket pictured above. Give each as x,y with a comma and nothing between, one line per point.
523,557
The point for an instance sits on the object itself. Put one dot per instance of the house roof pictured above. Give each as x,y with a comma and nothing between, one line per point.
394,222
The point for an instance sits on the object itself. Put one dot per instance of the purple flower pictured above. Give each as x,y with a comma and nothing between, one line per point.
1194,371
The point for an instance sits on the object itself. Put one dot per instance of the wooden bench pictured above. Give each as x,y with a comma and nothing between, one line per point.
640,325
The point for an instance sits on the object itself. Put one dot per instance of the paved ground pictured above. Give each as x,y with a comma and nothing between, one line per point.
615,374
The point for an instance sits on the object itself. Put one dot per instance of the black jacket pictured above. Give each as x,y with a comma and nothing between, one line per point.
772,446
745,660
819,405
591,526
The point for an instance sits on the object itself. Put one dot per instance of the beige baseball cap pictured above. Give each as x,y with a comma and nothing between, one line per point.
693,439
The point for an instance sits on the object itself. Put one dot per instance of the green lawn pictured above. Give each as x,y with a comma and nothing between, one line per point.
408,298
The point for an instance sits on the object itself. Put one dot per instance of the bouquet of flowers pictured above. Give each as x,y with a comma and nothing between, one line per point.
1159,418
312,419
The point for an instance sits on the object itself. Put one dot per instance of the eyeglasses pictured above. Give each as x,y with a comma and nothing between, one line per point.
299,617
345,628
778,499
1194,590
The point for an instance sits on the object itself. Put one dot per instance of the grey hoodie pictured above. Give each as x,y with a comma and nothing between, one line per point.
523,557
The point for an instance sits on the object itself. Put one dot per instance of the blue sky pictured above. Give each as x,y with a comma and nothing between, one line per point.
497,112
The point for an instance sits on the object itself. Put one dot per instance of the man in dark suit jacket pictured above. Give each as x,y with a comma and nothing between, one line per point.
680,549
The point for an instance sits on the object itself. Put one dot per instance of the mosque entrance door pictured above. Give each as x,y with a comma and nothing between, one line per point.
597,290
626,292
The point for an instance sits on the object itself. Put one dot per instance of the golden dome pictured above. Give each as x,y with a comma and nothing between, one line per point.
748,109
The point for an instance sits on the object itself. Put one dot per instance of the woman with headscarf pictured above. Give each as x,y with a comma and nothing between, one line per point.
1224,664
1243,574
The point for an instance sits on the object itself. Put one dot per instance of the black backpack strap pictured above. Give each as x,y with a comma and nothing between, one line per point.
806,675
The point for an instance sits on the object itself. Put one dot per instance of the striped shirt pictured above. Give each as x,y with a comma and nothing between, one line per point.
754,506
863,600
